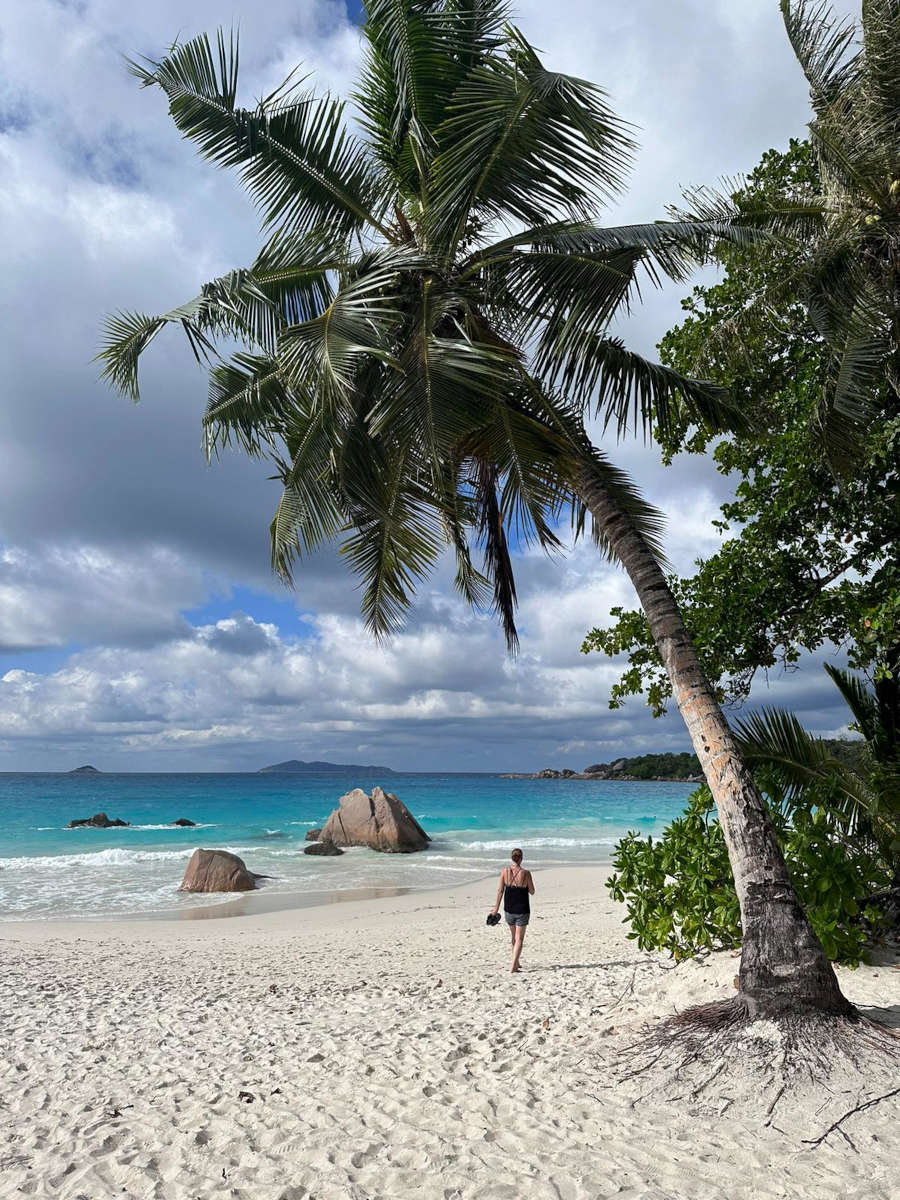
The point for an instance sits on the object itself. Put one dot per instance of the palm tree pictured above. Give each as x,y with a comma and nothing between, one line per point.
867,788
846,235
426,326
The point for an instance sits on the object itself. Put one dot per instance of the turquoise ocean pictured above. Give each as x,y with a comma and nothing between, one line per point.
48,871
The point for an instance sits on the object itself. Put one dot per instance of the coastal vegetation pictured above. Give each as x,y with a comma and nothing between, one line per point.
838,818
679,892
806,329
684,767
807,559
660,766
424,331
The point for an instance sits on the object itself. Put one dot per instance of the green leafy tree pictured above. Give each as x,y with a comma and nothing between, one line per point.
846,236
680,897
809,557
814,325
425,328
838,818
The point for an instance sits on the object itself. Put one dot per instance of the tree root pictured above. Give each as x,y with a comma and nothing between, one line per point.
715,1055
835,1126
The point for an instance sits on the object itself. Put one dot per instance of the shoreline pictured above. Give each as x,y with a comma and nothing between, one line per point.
237,905
256,910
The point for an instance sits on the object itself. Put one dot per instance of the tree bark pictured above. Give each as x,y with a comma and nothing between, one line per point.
784,969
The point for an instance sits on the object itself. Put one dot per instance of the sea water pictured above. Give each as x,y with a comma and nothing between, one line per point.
49,871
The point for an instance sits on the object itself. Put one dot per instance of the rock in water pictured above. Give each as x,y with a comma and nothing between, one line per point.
328,848
184,823
98,821
217,871
313,835
379,821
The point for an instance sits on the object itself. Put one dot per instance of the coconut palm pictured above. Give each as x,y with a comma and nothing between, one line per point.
425,330
866,788
847,234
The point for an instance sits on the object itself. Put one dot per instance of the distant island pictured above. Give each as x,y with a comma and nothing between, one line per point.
663,768
296,766
86,770
675,768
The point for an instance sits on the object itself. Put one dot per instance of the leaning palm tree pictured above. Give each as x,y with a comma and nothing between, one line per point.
424,331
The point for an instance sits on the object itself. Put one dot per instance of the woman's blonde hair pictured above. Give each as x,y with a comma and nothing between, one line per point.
516,855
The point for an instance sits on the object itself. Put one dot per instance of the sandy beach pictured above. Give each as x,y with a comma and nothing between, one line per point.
379,1049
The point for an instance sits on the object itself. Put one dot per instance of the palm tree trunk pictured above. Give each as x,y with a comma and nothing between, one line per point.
783,966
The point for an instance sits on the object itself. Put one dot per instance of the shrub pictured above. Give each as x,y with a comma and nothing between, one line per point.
680,895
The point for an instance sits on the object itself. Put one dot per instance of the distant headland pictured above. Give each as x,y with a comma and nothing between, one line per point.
296,766
663,768
86,770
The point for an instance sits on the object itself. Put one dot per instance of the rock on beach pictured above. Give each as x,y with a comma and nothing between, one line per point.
380,821
218,871
328,849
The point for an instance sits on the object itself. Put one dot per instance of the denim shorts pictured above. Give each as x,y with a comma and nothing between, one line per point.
517,918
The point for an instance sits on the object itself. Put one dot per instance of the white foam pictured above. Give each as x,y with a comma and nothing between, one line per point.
171,826
111,857
542,841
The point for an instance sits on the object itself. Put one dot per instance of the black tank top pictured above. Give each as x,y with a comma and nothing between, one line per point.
515,900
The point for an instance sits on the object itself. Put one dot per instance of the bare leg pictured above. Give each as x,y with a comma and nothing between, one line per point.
518,939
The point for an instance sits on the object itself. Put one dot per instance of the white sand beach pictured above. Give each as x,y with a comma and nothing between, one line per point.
379,1049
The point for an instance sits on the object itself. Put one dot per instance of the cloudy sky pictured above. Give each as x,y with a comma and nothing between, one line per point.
140,628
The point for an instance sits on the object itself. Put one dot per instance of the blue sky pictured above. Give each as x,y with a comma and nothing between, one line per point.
140,627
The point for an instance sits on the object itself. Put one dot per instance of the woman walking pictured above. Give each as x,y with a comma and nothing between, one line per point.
516,885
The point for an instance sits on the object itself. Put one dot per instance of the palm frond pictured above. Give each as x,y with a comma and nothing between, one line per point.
669,248
524,143
497,560
396,537
628,391
881,38
312,509
326,352
126,335
288,282
560,291
447,380
413,66
248,405
776,740
822,43
858,699
293,151
749,221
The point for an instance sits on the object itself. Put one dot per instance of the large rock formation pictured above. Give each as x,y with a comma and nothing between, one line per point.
379,821
98,821
218,871
184,823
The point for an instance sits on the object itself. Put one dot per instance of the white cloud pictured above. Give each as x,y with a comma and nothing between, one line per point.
237,692
111,521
